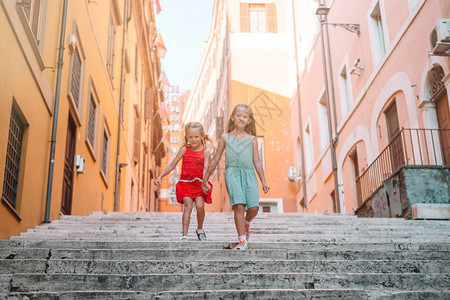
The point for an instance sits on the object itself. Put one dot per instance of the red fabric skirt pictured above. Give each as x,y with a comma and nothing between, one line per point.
193,190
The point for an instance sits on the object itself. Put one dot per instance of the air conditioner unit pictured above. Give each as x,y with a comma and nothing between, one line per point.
292,174
440,36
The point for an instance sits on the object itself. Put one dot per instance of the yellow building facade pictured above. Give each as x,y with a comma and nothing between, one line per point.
80,92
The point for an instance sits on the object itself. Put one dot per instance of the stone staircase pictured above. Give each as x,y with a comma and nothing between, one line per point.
290,256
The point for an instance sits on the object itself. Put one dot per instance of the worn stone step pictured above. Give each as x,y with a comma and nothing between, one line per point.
324,294
181,282
131,266
158,245
218,254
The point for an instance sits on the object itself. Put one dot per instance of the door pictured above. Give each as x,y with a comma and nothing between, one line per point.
69,159
443,116
395,141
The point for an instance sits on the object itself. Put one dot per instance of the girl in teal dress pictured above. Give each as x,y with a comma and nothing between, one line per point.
241,161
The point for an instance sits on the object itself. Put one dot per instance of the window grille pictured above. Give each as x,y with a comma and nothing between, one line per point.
76,77
104,163
91,121
13,155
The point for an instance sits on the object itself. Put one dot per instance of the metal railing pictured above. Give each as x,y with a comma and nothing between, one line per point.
416,147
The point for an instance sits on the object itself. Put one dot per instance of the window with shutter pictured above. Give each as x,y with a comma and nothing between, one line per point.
244,18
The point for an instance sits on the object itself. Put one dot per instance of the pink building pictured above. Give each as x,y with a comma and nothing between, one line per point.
387,92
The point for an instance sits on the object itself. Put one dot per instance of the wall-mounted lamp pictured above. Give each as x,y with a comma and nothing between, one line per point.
122,165
72,42
79,163
357,68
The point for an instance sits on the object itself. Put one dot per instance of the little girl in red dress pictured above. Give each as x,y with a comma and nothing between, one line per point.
188,190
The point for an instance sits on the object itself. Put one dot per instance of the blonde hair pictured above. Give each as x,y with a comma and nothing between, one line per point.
198,125
250,128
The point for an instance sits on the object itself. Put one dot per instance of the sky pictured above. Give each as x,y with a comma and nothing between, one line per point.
184,26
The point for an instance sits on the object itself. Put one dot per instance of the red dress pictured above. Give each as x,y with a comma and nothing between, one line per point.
191,177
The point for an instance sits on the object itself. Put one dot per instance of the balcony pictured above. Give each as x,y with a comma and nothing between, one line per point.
412,149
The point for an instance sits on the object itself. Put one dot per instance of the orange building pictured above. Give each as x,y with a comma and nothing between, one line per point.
385,106
79,88
247,60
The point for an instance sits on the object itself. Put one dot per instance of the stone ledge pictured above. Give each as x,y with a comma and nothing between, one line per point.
431,211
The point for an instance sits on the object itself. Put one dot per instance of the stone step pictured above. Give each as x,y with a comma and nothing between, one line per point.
290,256
174,245
269,238
319,229
325,294
217,254
116,266
233,281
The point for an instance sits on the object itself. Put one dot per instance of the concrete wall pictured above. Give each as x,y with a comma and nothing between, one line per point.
411,185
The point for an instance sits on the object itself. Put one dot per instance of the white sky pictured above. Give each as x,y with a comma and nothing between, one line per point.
184,26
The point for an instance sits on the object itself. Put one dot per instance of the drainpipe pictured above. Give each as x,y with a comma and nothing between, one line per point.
55,113
302,154
333,97
330,127
126,19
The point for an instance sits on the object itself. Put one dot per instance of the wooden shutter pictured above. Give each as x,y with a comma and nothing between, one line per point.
148,103
137,138
271,14
245,25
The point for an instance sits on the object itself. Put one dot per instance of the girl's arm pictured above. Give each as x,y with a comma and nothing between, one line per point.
214,162
170,166
258,165
206,163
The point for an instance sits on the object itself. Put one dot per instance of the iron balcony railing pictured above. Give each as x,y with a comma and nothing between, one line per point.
429,147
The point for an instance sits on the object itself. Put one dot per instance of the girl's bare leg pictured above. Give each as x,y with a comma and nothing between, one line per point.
187,210
200,207
251,213
239,220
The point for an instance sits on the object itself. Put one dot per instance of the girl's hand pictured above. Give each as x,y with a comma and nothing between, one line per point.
158,181
205,187
265,188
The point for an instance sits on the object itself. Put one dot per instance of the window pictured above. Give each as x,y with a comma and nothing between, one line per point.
174,140
308,149
175,108
111,45
258,18
260,140
377,32
33,12
13,156
137,139
173,200
345,92
173,180
174,117
323,121
91,121
104,158
75,78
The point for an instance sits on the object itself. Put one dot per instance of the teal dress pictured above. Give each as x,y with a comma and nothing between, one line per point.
240,177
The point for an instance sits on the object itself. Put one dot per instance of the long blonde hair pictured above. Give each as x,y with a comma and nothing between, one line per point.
198,125
250,128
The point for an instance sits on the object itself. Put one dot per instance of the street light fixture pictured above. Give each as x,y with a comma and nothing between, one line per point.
322,12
